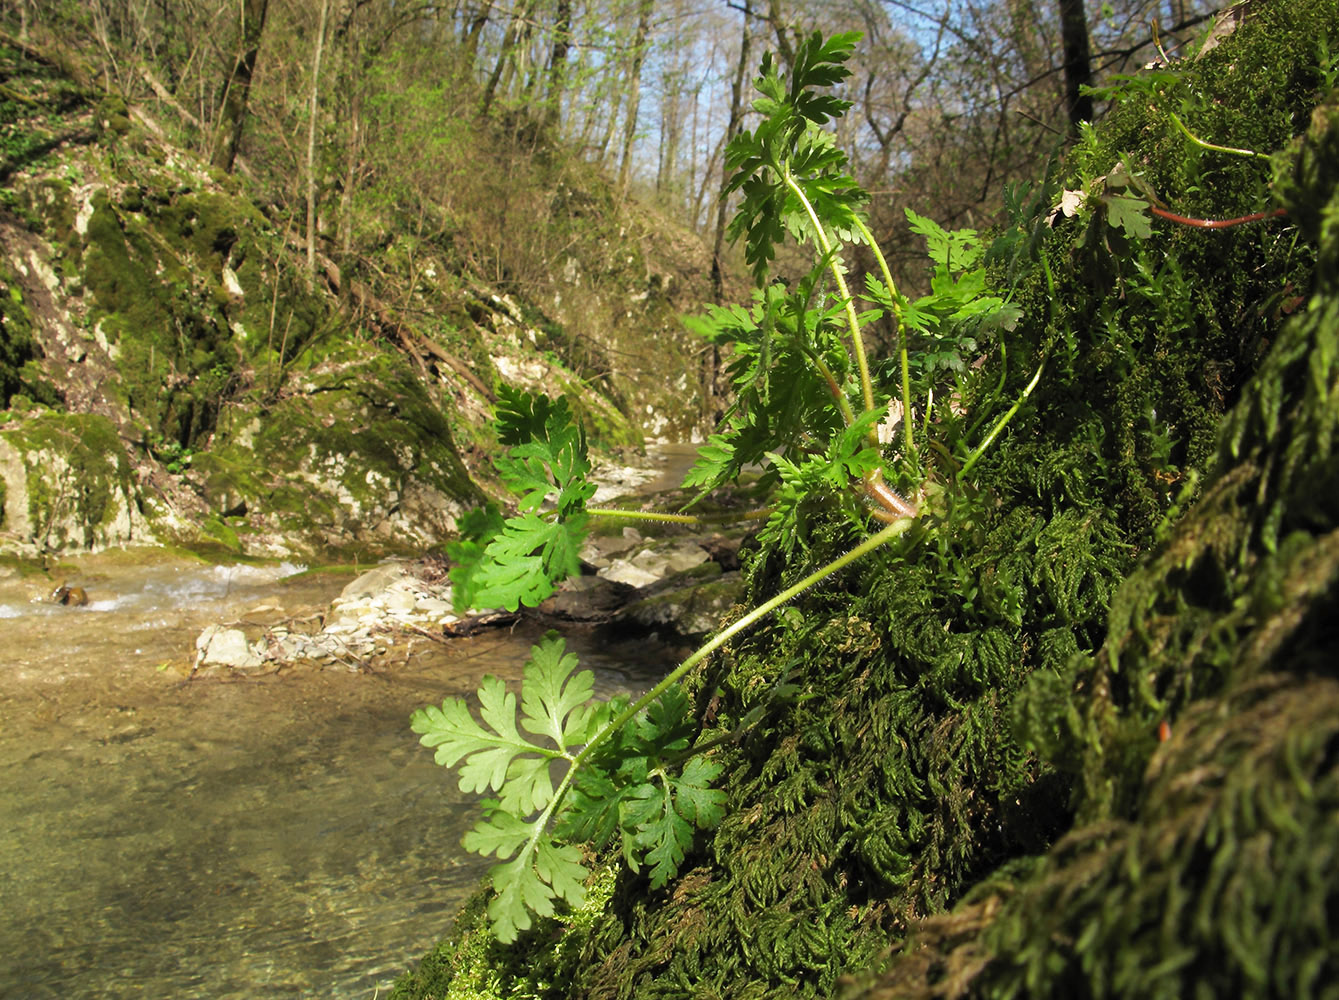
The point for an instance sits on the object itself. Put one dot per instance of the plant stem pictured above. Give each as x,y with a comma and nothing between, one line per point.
646,515
1217,223
761,611
1232,150
871,543
824,244
843,403
901,334
1003,421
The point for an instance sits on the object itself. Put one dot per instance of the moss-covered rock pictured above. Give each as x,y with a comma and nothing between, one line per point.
67,484
1201,737
356,455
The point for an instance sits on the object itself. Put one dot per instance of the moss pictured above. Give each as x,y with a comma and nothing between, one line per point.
223,533
17,348
77,477
50,203
1201,736
340,458
113,117
606,426
467,965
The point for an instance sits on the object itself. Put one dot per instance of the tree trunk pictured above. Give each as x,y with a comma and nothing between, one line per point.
354,68
237,88
562,42
313,112
471,39
711,364
784,47
517,32
1078,66
633,90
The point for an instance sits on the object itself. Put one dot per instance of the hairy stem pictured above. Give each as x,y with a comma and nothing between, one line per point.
871,543
645,515
901,334
824,244
1232,150
975,456
1241,220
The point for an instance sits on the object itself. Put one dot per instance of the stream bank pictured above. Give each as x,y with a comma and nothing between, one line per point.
1073,733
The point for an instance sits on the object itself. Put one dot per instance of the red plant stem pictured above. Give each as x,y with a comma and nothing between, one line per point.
890,506
1217,223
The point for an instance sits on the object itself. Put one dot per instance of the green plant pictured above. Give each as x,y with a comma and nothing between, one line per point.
807,409
174,456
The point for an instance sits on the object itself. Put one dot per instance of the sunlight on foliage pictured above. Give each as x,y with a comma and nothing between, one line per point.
631,789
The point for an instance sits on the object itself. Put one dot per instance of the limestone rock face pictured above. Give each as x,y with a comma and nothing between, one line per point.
359,455
66,482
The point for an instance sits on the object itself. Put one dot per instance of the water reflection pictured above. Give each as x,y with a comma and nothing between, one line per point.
271,838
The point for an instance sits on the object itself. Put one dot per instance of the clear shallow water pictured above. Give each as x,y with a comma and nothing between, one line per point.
280,837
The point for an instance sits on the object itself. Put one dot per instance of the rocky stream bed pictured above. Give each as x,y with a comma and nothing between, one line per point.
211,784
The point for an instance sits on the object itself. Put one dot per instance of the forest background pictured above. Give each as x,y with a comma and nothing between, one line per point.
352,113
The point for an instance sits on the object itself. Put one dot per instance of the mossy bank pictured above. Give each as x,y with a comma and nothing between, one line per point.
1071,735
220,389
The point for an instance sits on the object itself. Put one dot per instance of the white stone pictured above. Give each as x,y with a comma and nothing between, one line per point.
651,561
399,602
622,571
225,647
373,582
84,214
435,609
685,556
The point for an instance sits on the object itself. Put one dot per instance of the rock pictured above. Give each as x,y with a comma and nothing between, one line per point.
66,483
597,550
587,599
651,565
692,605
401,602
622,571
437,610
225,647
372,583
685,556
73,597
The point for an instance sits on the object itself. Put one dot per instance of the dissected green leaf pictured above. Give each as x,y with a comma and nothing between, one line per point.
520,560
956,250
660,820
500,833
556,706
553,699
696,800
522,564
1129,214
477,529
519,892
493,757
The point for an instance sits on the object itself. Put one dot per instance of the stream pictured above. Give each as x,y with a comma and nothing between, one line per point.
280,836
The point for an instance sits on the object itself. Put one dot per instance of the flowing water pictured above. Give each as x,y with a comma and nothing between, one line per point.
284,836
